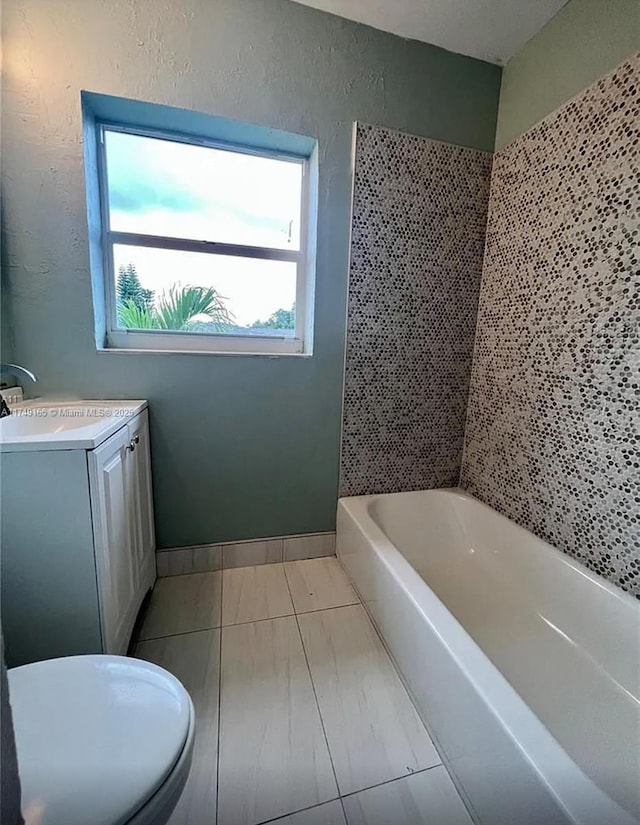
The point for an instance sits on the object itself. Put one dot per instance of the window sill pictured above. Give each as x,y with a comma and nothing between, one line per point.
158,351
189,344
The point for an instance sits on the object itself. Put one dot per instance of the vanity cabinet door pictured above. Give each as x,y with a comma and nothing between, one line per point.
113,540
140,501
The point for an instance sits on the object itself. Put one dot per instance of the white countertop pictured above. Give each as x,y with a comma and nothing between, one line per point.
64,425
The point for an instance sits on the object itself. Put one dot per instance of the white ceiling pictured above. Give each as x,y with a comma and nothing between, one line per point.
492,30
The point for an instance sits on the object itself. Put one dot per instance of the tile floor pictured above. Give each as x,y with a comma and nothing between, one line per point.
301,717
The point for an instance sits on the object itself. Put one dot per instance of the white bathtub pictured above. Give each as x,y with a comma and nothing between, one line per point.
524,666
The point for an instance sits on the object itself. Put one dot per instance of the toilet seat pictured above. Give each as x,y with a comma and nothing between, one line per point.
99,738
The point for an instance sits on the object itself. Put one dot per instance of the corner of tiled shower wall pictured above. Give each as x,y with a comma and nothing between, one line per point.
553,427
418,232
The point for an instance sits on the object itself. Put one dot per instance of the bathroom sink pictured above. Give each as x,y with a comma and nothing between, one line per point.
42,425
41,420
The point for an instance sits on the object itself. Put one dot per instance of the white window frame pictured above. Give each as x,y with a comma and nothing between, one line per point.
176,341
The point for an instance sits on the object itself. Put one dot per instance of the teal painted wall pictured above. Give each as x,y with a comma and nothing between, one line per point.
5,325
242,447
5,313
583,42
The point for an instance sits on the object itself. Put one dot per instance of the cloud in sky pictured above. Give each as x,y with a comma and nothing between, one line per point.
223,192
128,195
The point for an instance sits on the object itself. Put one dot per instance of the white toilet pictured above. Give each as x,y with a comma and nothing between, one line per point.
101,740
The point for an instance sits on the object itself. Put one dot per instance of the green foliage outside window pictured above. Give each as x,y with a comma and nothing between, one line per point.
182,308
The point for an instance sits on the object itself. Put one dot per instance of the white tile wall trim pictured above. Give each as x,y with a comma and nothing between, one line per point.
204,558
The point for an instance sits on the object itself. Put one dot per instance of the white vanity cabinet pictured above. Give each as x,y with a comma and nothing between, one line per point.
123,533
77,542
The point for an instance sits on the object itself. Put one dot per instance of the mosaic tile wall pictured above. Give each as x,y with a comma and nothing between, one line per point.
553,430
419,219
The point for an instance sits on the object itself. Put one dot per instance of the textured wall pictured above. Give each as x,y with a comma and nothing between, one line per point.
584,41
553,429
418,228
242,447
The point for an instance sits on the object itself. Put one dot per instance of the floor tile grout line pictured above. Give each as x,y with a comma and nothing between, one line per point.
182,633
315,696
240,567
341,797
390,781
251,621
443,763
344,811
360,603
324,609
382,641
386,781
299,811
255,621
189,573
401,677
286,578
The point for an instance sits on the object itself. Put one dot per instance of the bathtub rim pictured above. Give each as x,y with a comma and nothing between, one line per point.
548,549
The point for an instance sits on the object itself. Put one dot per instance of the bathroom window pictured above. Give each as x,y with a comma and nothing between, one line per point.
205,244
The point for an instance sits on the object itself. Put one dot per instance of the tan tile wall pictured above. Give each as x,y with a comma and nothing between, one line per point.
553,427
418,229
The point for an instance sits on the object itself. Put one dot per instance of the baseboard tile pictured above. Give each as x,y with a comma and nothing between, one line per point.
204,558
309,547
251,553
180,560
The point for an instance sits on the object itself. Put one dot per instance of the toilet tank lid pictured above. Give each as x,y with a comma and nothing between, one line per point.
96,736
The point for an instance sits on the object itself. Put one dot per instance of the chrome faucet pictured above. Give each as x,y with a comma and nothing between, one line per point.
19,372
